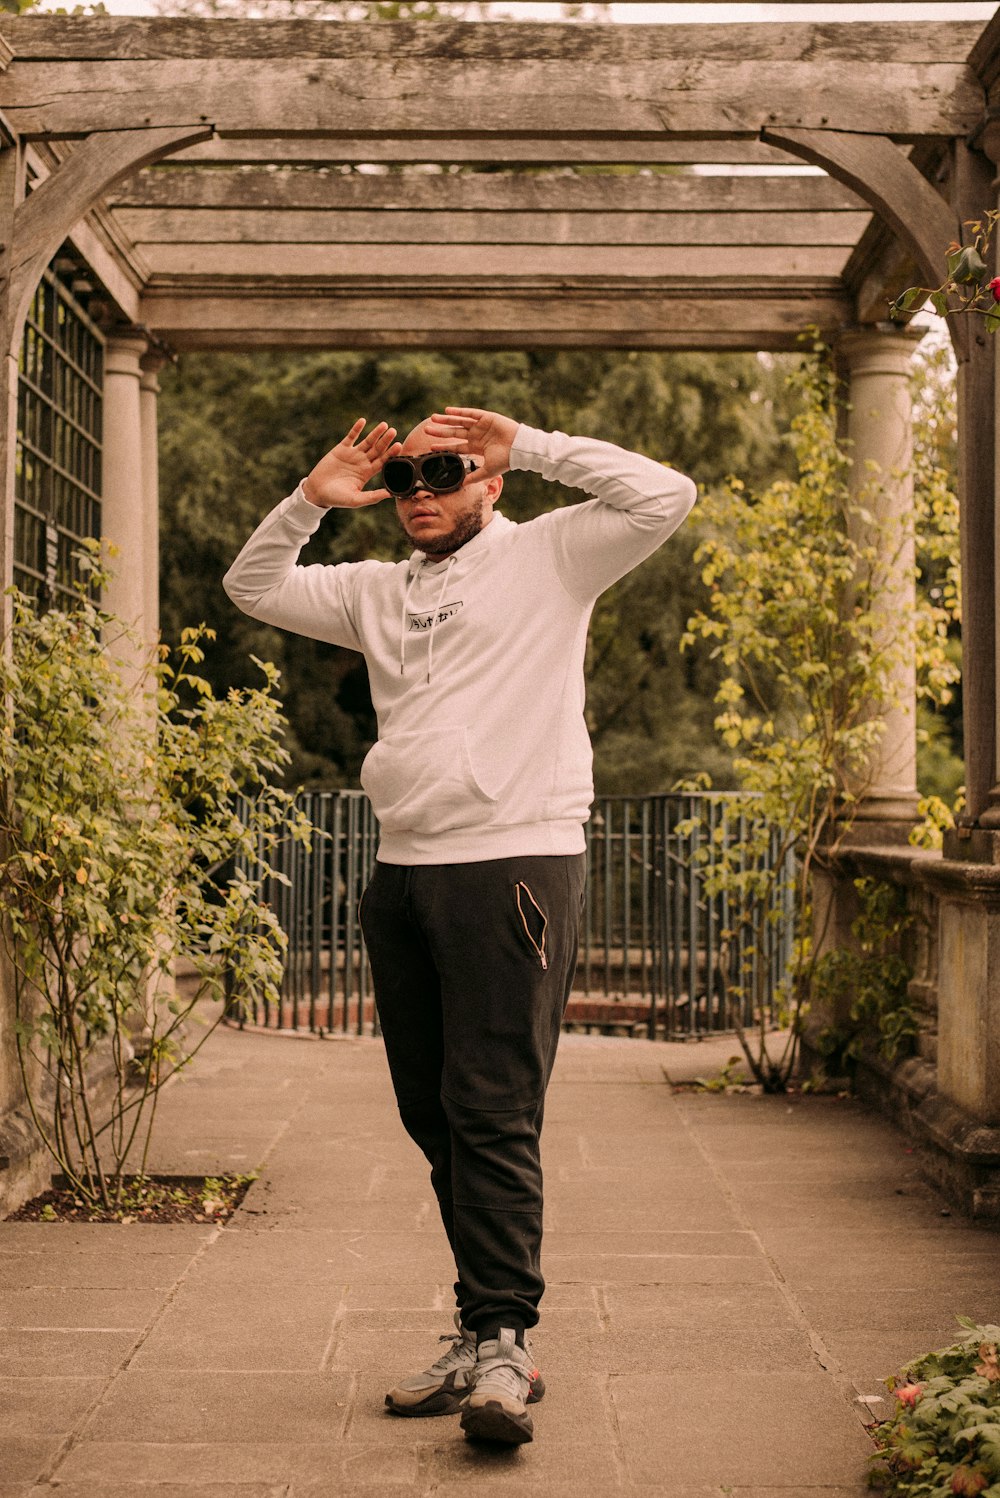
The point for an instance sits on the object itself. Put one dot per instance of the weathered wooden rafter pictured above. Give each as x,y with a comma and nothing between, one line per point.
176,226
508,192
510,150
464,80
242,222
628,262
186,207
44,38
193,312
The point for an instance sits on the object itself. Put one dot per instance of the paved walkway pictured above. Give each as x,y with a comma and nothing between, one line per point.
728,1278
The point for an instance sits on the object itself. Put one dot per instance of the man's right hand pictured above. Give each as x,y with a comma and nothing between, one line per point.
338,480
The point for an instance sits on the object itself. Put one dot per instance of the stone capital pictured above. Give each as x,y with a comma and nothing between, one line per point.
879,348
123,348
148,370
156,355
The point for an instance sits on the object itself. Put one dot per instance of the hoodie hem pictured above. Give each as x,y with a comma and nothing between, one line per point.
481,844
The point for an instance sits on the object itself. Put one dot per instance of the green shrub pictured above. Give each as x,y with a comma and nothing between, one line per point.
944,1437
119,808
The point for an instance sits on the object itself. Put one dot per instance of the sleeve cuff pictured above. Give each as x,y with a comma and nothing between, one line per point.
530,445
302,513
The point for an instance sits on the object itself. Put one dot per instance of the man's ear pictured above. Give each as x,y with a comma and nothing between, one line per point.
494,487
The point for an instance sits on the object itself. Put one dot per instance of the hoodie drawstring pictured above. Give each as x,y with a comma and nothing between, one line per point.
402,620
434,618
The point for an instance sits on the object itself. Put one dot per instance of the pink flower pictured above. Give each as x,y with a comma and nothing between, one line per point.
994,288
910,1393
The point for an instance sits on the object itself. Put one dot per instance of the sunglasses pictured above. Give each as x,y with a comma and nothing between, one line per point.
440,473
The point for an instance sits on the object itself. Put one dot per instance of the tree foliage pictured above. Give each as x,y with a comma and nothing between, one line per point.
940,767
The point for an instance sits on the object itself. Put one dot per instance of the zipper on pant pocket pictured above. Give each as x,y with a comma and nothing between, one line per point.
538,946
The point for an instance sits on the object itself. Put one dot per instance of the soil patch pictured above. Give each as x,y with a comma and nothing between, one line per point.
144,1199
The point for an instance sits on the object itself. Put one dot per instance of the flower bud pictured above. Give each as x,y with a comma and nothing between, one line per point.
908,1394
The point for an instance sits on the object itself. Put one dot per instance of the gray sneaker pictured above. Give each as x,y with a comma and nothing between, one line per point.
441,1388
504,1382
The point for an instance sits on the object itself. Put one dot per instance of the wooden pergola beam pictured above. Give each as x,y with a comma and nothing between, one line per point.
465,80
46,38
204,313
177,226
626,262
902,100
191,189
500,150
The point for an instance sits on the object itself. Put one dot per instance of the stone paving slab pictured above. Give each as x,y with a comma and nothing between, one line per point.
724,1424
764,1258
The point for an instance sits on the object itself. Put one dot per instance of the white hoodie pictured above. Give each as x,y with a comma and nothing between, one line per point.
476,662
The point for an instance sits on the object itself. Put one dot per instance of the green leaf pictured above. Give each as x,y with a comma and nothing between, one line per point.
909,298
967,265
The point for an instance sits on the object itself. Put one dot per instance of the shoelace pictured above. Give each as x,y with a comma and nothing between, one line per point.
454,1356
513,1378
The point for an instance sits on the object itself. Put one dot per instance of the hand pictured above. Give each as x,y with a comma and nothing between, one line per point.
467,430
338,480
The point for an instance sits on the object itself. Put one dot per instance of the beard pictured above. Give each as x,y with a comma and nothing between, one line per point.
465,527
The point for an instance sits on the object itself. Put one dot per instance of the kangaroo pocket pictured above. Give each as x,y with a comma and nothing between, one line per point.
424,782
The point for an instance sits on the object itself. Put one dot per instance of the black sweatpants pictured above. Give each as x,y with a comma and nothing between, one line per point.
473,964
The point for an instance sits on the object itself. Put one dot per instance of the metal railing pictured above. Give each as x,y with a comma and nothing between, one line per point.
658,952
653,938
327,983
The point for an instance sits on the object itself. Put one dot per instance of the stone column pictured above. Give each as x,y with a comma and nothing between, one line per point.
879,429
985,810
124,491
149,389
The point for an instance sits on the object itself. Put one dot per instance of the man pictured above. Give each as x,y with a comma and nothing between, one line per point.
481,779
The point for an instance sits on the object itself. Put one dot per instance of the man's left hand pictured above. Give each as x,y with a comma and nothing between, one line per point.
468,430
